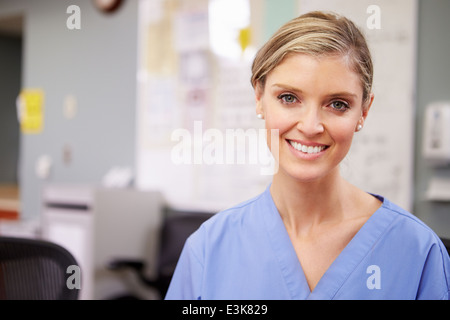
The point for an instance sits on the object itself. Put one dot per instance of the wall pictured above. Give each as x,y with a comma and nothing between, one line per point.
433,83
275,15
97,65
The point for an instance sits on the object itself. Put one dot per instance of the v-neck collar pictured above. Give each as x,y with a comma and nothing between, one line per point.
341,268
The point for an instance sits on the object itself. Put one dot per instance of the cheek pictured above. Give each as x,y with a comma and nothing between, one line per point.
276,127
277,119
276,122
341,132
279,124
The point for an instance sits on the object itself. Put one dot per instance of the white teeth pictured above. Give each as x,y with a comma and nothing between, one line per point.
306,149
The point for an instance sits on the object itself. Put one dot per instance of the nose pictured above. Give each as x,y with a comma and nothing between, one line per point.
310,122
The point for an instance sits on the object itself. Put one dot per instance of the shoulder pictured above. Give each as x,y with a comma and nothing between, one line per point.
411,243
226,232
414,235
410,224
229,221
236,213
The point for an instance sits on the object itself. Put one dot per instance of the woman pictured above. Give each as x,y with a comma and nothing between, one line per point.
312,234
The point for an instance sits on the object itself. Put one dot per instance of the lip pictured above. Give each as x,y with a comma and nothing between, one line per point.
308,143
307,156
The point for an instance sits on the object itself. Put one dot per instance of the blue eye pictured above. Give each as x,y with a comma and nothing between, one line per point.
287,98
340,105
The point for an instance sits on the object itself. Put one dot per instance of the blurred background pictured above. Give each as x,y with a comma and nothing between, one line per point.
99,98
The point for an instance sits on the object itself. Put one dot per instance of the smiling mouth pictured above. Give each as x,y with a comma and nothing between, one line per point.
307,149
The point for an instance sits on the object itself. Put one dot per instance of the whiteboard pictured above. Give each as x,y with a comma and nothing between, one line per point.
380,160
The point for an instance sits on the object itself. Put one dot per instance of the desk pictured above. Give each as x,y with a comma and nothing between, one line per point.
9,202
99,224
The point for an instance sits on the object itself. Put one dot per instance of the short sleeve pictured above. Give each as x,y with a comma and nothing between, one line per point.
187,278
434,283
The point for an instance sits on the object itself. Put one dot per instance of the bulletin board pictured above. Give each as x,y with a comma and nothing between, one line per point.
185,89
381,158
181,85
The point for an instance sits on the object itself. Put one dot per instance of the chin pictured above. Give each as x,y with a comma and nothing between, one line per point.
304,174
310,169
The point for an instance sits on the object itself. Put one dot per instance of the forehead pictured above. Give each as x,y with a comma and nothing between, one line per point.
324,73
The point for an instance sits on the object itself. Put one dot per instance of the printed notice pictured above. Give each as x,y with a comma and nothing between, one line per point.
30,110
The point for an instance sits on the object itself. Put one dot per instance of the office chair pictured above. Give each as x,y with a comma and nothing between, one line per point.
177,227
446,243
33,269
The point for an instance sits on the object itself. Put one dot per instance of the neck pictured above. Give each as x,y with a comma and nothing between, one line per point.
303,205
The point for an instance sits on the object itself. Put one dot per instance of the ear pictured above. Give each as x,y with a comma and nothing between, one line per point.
366,107
259,92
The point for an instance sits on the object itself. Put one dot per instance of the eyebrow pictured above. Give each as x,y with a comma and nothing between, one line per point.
287,87
332,95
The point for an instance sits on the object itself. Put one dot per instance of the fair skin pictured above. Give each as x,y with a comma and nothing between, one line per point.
316,104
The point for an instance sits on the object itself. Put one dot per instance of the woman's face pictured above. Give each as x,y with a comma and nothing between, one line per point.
316,105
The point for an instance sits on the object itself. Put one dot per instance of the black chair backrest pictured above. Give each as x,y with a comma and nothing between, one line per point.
446,242
34,269
177,227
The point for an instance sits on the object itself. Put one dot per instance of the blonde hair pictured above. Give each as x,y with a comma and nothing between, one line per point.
316,33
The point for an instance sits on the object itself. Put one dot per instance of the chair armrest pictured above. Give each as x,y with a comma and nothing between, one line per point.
120,264
135,265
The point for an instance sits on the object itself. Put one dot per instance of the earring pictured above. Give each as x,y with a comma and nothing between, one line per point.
359,127
259,116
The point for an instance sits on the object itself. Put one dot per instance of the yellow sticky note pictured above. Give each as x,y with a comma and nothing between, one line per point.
244,38
31,114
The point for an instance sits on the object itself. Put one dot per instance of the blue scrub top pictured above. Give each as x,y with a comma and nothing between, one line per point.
245,253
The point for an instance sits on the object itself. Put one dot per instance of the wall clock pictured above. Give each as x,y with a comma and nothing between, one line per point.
107,6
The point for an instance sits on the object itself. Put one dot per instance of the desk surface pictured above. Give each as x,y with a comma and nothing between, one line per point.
9,201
